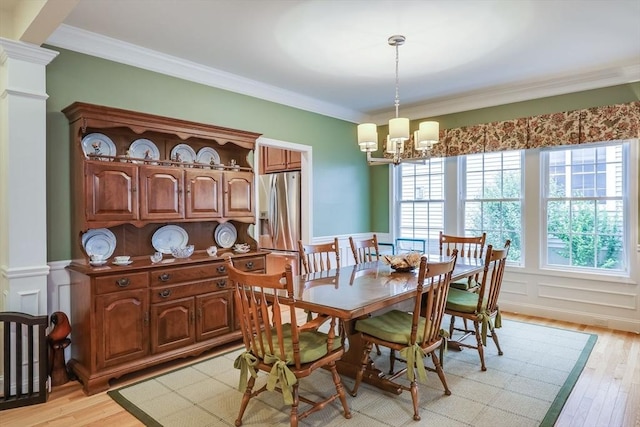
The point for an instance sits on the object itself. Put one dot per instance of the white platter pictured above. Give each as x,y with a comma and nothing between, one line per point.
169,236
186,153
225,235
144,149
99,241
98,144
208,156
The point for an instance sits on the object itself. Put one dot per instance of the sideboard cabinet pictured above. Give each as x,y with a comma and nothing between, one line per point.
192,176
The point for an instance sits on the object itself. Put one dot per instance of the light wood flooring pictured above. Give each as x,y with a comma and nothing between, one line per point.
607,392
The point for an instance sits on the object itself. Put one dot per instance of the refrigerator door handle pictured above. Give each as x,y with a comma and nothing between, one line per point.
273,209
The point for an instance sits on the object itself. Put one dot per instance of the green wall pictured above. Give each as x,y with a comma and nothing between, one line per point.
574,101
340,174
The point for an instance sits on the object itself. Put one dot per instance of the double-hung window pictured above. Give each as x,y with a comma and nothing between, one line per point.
492,196
586,210
420,203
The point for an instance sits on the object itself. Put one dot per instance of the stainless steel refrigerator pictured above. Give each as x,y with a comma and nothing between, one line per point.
279,207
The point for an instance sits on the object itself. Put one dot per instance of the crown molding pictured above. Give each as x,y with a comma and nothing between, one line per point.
12,49
82,41
86,42
507,94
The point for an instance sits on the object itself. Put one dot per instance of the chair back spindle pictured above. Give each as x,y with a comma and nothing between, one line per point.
319,257
365,250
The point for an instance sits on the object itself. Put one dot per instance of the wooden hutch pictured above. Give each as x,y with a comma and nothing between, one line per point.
126,318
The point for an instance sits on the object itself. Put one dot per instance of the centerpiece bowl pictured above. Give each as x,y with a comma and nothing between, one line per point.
403,263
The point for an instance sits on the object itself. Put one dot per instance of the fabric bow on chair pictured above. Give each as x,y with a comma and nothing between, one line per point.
481,308
285,351
414,334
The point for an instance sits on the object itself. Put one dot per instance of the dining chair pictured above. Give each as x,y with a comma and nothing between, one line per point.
413,334
287,352
366,250
481,308
469,247
319,257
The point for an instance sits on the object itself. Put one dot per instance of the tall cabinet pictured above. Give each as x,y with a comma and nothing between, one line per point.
130,317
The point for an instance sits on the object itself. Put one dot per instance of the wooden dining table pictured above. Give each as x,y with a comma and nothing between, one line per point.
356,291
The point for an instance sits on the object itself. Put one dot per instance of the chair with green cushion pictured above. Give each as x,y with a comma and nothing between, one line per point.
469,248
481,308
413,334
287,352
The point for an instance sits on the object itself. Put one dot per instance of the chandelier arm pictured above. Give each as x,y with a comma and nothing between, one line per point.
397,101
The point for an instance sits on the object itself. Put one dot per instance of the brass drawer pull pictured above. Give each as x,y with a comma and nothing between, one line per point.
249,265
221,283
164,277
222,269
123,283
165,293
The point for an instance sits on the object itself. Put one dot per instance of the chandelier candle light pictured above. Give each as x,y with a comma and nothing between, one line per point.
424,138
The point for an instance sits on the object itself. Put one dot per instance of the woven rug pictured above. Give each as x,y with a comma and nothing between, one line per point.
527,386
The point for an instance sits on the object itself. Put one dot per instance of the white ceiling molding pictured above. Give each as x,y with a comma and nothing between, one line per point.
82,41
507,94
93,44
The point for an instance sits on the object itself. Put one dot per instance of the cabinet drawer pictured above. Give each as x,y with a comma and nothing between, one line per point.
168,293
121,282
170,276
255,264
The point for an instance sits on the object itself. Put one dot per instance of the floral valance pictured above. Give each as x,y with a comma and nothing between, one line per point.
608,123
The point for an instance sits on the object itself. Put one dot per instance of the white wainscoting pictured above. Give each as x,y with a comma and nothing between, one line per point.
608,303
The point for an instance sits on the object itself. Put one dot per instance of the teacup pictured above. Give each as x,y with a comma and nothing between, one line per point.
122,259
156,257
212,250
96,258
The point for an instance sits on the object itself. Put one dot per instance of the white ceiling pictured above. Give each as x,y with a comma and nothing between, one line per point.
332,56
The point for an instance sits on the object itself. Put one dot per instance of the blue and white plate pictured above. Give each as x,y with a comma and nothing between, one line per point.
169,236
99,241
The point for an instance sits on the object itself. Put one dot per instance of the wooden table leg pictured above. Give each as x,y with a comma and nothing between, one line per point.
351,363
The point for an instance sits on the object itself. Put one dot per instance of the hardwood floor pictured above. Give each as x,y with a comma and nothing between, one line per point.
606,394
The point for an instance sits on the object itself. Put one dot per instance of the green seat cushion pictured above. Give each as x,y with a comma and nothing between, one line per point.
393,326
464,284
463,301
313,344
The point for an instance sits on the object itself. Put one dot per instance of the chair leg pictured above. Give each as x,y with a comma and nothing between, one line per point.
480,346
392,361
293,418
378,352
451,326
245,400
340,390
439,370
365,360
495,340
414,397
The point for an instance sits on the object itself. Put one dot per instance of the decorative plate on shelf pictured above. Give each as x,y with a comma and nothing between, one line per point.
225,235
144,149
208,156
99,241
183,153
98,144
169,236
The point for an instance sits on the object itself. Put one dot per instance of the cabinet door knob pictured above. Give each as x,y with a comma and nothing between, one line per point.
165,293
123,283
249,265
164,277
221,283
222,269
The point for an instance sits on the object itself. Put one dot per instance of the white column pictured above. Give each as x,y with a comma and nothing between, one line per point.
23,197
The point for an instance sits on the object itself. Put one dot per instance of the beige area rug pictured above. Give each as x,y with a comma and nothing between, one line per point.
527,386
